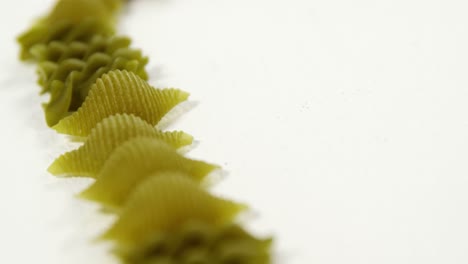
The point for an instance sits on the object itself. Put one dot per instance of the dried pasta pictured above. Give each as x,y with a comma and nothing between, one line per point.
120,92
99,91
164,202
64,31
198,242
109,134
99,56
57,51
133,162
77,68
71,20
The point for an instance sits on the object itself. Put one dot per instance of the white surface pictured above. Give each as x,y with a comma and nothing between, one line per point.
343,123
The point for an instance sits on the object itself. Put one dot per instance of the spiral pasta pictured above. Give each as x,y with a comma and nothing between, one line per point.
98,91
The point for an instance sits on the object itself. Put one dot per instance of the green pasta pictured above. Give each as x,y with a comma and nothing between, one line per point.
98,91
198,242
64,31
71,20
77,68
165,202
120,92
99,56
133,162
76,11
109,134
75,88
57,51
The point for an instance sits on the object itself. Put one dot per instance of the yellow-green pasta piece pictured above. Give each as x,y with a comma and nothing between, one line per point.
64,31
135,160
120,92
108,134
60,99
197,242
68,71
110,53
57,51
100,63
78,10
71,20
164,202
98,91
77,76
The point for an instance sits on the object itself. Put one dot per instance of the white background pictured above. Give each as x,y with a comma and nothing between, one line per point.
343,123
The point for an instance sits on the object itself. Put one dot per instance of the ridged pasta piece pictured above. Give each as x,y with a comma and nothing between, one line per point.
94,66
104,139
77,66
197,242
78,10
120,92
57,51
97,88
71,20
77,76
99,52
64,31
164,202
134,161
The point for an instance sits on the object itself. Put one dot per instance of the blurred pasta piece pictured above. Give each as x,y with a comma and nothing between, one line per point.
136,160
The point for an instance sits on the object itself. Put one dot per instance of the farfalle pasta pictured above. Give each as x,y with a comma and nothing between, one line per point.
99,92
